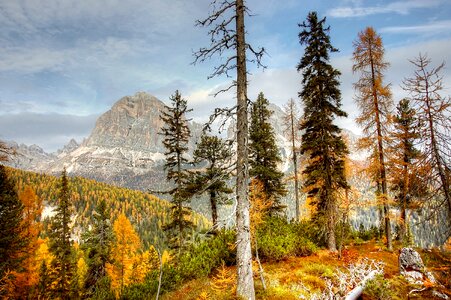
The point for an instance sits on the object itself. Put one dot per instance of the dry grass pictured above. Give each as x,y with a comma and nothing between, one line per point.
298,277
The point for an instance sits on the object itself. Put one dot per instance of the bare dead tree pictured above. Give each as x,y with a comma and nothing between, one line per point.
228,39
434,114
291,122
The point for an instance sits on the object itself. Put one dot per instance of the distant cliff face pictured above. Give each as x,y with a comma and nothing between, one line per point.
132,123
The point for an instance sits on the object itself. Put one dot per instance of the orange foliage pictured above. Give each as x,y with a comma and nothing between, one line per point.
28,276
123,254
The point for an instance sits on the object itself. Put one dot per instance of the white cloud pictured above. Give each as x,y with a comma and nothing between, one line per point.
435,27
399,7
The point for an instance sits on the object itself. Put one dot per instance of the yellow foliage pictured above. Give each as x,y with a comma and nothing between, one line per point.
260,204
203,296
224,280
166,257
123,254
28,274
82,269
143,264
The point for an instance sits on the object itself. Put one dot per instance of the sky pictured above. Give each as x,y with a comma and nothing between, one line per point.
65,62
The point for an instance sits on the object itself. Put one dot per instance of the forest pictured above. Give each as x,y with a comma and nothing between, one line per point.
74,238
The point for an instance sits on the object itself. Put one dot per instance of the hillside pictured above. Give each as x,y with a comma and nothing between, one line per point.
307,277
146,212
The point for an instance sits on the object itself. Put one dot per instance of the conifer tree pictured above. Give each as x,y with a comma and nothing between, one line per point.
27,277
12,244
321,141
176,135
404,170
98,242
374,101
264,154
213,179
62,265
433,111
124,249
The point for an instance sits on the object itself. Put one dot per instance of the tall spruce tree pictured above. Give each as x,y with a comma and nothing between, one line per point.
403,164
264,154
176,135
62,265
98,242
321,141
12,243
213,178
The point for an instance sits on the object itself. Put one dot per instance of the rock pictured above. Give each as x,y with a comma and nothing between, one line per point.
410,260
411,266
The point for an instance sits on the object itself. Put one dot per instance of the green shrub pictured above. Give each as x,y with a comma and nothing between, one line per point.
202,258
368,234
278,240
305,247
378,288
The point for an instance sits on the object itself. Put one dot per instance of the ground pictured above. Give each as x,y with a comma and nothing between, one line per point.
301,277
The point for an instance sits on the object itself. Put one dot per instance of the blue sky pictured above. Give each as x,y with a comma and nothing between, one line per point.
64,62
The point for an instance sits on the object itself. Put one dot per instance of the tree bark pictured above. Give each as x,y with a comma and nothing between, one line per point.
383,177
245,284
214,210
295,161
435,150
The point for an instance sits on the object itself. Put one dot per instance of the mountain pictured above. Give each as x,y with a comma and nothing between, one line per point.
124,148
29,157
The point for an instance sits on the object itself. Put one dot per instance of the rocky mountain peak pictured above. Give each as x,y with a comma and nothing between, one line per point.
133,122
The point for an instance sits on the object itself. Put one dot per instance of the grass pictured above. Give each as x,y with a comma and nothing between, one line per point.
299,277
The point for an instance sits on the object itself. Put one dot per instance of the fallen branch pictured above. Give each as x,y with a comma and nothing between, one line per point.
358,290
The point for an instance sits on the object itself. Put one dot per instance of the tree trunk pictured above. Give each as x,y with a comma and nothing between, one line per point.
260,268
214,210
441,172
161,274
245,284
383,177
331,222
295,162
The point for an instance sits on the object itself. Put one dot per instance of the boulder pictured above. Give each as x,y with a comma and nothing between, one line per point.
411,266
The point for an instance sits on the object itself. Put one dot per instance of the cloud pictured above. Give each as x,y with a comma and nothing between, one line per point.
398,7
436,27
49,131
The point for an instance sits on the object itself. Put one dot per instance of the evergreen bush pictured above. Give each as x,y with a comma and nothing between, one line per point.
278,240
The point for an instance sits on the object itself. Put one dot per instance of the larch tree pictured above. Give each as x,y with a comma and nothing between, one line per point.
403,165
176,135
28,276
321,140
228,37
12,244
375,103
434,114
62,265
216,154
125,247
291,121
98,242
264,154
